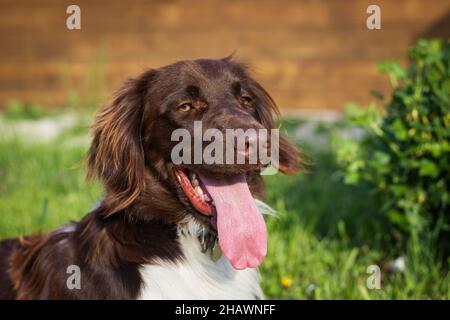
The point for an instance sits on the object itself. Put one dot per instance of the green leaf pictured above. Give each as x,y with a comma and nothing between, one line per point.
399,130
392,68
428,168
398,218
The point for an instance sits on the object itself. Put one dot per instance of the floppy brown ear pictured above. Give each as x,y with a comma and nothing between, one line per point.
289,156
116,154
289,159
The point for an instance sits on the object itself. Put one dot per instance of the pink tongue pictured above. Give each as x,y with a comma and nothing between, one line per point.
240,225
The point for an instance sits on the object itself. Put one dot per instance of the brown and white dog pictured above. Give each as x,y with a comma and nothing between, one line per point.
154,233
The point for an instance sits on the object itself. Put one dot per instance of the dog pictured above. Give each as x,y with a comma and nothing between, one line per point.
162,230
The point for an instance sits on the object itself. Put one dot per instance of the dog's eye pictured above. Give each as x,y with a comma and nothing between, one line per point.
246,101
185,107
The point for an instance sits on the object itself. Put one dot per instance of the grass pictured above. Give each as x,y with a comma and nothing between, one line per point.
320,246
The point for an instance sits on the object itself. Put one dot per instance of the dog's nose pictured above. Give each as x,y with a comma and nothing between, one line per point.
247,144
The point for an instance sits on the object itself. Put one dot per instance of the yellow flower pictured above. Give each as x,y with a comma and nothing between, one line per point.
286,282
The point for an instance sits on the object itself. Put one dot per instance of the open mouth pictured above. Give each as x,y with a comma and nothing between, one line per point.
240,225
195,191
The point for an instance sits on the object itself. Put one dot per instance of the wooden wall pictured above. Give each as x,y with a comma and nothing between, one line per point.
310,54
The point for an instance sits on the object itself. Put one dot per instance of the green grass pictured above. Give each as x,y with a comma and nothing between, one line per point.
16,110
320,246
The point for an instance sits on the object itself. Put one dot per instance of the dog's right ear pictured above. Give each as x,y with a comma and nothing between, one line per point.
116,154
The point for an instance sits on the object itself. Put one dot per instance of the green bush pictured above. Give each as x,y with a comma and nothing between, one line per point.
405,153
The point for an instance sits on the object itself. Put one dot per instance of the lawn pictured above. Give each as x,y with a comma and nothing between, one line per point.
326,235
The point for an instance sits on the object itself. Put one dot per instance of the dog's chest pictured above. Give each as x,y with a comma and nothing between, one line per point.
197,276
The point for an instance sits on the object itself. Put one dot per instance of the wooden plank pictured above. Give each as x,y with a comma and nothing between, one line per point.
165,14
313,84
281,44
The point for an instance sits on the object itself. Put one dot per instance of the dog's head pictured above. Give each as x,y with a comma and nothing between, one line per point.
138,136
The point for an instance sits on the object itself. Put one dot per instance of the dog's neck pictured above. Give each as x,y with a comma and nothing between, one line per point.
122,238
205,235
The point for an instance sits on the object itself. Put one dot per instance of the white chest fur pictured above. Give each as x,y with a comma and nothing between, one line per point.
197,276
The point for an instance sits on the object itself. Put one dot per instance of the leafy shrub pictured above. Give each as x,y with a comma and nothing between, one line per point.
405,155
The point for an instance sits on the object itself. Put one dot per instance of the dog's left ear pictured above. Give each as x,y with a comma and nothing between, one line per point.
289,159
116,154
